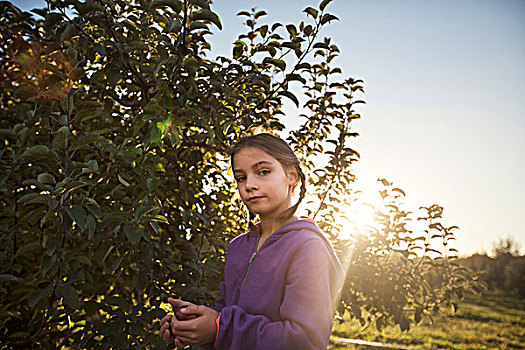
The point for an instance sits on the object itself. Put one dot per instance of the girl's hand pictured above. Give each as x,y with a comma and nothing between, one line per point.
200,330
177,305
165,332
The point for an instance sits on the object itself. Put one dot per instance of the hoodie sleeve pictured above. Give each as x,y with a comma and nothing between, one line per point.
306,310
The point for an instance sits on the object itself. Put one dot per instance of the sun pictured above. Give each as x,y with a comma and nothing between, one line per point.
359,214
359,218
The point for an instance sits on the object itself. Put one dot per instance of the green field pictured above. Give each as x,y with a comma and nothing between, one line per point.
486,322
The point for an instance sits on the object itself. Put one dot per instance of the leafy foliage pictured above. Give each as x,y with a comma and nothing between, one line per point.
116,125
400,273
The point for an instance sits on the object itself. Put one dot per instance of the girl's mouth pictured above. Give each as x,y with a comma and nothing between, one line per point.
254,199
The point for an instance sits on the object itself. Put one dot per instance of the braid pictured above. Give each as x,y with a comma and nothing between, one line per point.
251,224
291,211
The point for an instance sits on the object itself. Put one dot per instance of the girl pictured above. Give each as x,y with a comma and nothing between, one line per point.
281,278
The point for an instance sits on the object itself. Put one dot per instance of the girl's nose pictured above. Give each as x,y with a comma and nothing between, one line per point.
250,185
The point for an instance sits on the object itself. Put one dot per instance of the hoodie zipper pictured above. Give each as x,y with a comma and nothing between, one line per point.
248,269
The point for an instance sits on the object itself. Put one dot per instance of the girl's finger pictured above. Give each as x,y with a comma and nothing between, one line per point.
178,344
187,337
184,316
165,319
178,303
163,329
186,340
165,335
192,310
168,338
183,326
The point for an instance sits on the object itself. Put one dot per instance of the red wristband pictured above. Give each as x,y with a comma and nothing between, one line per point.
217,322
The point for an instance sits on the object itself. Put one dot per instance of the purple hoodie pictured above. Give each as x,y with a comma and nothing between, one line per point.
289,293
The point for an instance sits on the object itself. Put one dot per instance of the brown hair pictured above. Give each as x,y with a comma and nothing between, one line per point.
280,150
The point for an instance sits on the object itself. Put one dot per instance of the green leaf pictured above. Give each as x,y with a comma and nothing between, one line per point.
92,226
244,13
291,96
39,296
113,77
275,62
29,197
175,5
311,11
95,210
260,14
399,190
83,259
123,181
70,296
323,4
88,6
154,134
110,248
304,65
8,277
239,47
38,151
321,45
4,133
298,77
263,30
291,30
207,15
51,20
93,165
28,247
308,30
132,233
327,18
86,140
46,178
47,262
204,4
59,138
159,218
78,215
67,33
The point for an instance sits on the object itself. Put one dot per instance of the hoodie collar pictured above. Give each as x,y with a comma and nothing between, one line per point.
296,225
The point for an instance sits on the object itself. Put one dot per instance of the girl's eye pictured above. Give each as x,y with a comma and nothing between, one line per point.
264,172
240,179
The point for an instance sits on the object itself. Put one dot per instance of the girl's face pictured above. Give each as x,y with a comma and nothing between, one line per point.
265,187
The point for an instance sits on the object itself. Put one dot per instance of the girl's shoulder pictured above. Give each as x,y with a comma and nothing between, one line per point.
240,238
243,239
300,231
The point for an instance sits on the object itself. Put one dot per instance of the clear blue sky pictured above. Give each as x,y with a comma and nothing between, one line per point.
445,92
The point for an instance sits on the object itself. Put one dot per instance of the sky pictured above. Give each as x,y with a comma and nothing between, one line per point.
445,93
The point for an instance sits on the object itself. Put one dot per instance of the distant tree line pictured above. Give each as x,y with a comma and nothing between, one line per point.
502,272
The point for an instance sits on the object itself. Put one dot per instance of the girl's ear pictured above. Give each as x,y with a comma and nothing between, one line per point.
293,176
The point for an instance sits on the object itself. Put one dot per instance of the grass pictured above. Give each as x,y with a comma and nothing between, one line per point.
486,322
